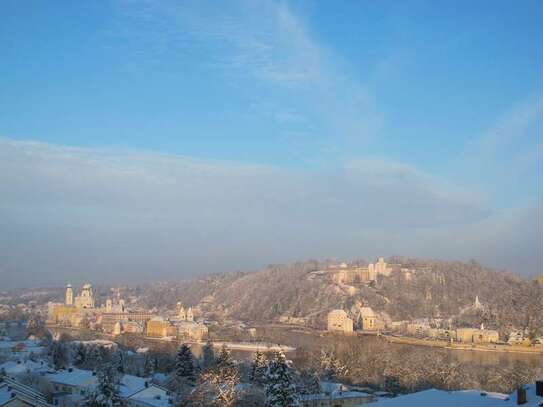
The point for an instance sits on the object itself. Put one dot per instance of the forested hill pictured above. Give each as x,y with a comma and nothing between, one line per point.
435,289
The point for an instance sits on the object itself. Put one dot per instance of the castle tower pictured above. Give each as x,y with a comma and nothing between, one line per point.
109,305
190,316
69,295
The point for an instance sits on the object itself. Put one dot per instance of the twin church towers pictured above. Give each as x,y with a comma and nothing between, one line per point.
85,299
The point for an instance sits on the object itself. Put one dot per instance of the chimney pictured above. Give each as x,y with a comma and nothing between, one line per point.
521,395
539,388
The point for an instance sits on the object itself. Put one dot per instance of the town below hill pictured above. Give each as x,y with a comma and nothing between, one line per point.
412,296
323,321
437,300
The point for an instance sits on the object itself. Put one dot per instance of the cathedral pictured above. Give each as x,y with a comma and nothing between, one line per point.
182,314
85,299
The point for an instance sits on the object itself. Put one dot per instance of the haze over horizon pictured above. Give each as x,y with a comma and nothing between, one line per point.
149,140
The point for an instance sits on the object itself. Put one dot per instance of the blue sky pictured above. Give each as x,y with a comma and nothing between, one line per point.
427,116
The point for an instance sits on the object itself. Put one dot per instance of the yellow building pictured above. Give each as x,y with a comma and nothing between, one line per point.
133,327
108,319
345,274
339,321
61,314
368,319
474,335
159,328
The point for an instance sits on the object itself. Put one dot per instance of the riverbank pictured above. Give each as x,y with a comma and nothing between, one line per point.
482,347
230,345
254,346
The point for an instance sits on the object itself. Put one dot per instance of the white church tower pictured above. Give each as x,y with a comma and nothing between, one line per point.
69,295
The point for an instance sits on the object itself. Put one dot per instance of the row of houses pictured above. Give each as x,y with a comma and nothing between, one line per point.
159,327
69,387
365,319
463,335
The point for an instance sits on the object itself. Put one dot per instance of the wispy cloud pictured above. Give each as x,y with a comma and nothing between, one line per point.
177,216
509,155
263,45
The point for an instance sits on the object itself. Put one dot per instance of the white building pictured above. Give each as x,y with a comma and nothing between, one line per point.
70,387
339,321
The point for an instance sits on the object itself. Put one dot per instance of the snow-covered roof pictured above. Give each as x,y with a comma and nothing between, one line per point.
10,389
160,378
130,384
8,344
153,395
330,387
5,395
441,398
72,377
14,368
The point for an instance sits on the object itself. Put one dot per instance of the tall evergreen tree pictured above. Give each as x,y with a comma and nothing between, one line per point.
224,358
309,383
208,356
280,387
258,368
118,361
94,357
79,354
148,366
184,366
58,355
